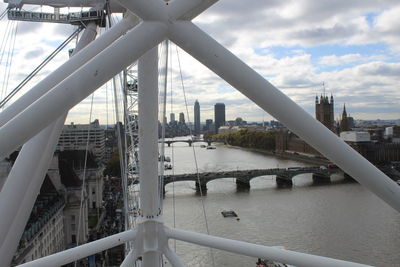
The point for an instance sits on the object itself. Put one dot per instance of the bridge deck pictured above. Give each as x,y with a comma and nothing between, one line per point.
247,175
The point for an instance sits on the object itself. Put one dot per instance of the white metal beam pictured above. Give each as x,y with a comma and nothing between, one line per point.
146,9
130,259
82,251
23,184
80,84
258,251
68,68
148,155
173,258
230,68
188,9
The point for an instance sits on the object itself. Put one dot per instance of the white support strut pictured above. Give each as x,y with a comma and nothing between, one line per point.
130,259
68,68
80,84
173,258
82,251
26,177
148,154
257,251
230,68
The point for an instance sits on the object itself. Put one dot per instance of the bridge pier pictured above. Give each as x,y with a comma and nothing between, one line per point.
284,181
202,187
321,178
242,183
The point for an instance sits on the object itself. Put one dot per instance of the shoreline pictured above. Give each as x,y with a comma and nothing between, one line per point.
301,158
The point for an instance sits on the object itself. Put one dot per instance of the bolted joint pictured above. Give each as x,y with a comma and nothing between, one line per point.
151,237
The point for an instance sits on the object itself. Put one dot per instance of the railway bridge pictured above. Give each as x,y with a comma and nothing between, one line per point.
283,176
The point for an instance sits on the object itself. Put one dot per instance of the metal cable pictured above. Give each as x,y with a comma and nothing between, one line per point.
172,154
164,109
84,175
2,15
194,154
3,46
14,35
40,67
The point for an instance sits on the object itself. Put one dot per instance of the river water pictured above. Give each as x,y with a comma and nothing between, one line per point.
340,219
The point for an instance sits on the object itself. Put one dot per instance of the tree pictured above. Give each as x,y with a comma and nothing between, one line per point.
113,167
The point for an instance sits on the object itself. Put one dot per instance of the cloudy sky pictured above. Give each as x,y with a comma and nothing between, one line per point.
353,47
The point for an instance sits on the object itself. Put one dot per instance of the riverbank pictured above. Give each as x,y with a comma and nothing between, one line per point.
284,155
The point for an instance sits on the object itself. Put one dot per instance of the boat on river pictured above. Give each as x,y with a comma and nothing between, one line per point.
229,213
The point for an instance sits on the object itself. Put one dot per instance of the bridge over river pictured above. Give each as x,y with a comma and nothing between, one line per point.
243,177
189,141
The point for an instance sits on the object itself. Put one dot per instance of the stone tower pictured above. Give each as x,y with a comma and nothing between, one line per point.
324,111
344,122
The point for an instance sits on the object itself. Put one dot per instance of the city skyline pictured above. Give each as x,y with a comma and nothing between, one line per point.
351,47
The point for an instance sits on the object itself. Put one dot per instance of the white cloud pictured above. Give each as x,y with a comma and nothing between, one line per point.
365,82
333,60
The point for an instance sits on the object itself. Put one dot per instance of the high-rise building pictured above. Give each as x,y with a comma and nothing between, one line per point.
209,123
172,117
75,137
219,115
196,117
324,111
181,117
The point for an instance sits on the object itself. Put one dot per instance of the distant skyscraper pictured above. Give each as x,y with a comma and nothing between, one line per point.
181,117
324,111
196,117
219,115
172,117
209,122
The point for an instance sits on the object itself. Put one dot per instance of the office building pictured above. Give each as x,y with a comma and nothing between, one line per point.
181,118
219,115
172,117
75,136
196,117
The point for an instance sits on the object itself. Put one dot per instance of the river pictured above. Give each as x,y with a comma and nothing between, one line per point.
341,219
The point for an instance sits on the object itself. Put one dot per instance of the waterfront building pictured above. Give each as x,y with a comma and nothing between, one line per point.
74,137
171,117
324,111
196,117
181,118
44,232
219,115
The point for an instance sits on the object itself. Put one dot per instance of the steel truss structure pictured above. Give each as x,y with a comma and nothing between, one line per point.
36,119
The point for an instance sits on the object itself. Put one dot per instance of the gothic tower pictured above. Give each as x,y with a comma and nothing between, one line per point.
324,111
344,122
